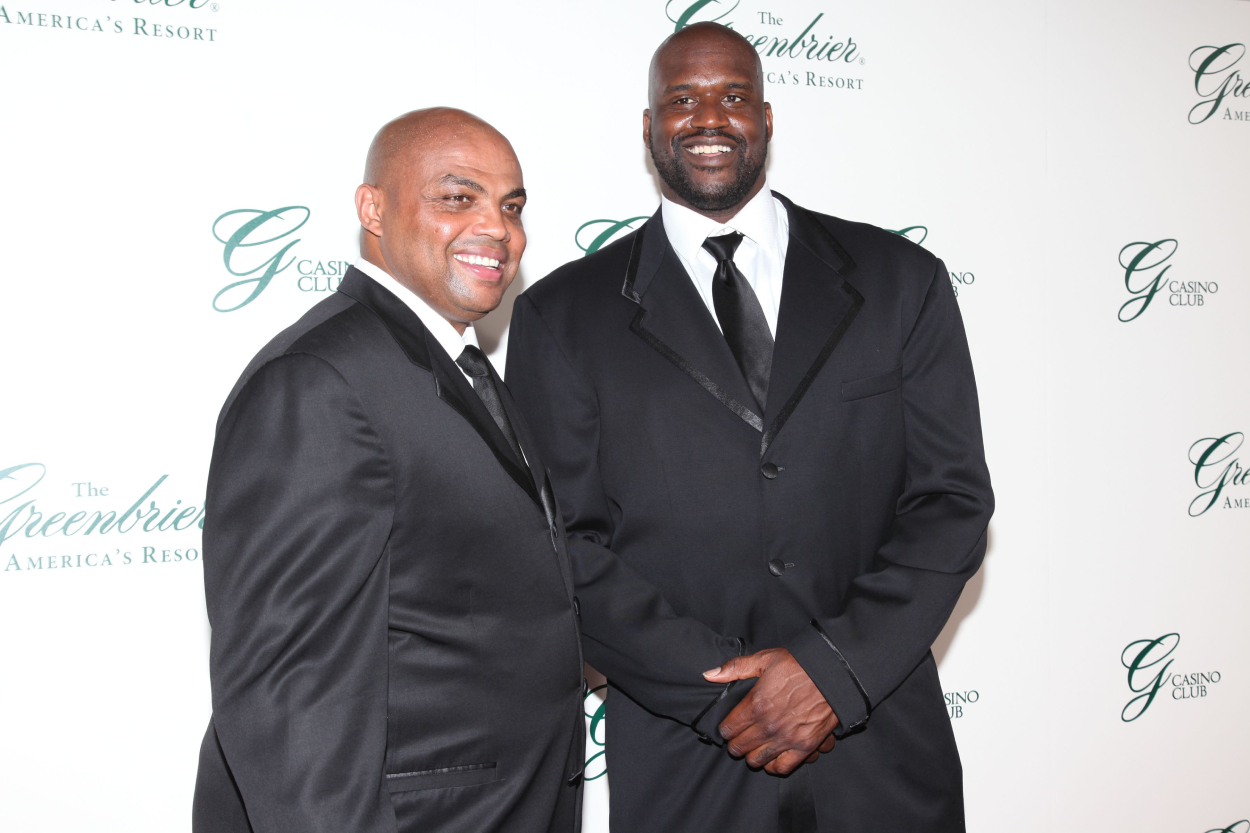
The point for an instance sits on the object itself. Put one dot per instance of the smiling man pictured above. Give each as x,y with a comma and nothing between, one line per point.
395,640
768,414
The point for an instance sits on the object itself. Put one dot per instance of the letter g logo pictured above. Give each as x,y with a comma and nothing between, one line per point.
263,230
1140,658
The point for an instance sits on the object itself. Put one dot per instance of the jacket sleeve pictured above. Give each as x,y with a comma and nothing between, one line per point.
630,633
893,613
299,508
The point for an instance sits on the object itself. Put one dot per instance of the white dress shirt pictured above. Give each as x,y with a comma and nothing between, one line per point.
439,327
761,256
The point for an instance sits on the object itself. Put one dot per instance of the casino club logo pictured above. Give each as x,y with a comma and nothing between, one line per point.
257,246
1217,473
1242,826
919,234
798,49
1146,266
1221,88
1151,675
597,764
102,531
959,703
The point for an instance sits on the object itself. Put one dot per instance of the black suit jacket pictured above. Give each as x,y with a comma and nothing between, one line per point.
395,642
842,523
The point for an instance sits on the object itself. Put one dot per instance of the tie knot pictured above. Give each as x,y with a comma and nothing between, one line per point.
724,246
473,361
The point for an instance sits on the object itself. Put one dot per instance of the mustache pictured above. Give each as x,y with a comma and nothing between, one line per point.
706,133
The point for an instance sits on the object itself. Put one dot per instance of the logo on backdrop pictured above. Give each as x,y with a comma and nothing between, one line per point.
597,764
917,235
93,513
1149,664
1219,83
798,50
145,27
593,235
1146,266
958,702
1217,469
256,248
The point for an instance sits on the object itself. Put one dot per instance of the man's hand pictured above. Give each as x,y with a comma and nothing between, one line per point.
784,721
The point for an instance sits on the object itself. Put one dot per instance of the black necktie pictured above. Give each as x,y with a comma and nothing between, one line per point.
741,317
473,362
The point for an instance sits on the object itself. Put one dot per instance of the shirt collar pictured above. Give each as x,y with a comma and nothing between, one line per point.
439,327
687,229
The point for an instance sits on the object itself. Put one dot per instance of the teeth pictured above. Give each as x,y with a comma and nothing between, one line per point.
701,149
477,260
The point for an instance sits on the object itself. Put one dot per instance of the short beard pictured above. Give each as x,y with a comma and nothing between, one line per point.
675,171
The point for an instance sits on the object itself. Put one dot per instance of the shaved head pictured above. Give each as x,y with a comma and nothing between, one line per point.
420,131
707,125
440,210
705,36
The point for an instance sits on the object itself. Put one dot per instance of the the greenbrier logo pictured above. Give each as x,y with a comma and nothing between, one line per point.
1146,267
1217,78
1148,662
775,34
593,235
1216,468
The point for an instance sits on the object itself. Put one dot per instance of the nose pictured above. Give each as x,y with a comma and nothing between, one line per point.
709,114
490,223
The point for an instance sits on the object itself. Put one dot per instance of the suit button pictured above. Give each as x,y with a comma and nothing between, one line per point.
770,470
776,566
577,608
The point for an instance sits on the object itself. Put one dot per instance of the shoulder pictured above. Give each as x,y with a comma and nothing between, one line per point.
594,278
316,352
876,248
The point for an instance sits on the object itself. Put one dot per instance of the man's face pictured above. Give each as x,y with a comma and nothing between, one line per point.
451,222
708,125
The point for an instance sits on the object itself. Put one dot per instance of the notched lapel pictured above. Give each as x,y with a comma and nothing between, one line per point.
817,307
675,322
410,334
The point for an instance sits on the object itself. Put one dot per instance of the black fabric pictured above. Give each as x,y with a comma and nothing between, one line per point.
394,641
474,362
741,317
879,499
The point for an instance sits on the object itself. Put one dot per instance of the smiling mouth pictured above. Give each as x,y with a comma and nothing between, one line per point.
477,260
708,150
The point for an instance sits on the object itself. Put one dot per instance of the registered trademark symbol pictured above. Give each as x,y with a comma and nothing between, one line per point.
215,7
861,60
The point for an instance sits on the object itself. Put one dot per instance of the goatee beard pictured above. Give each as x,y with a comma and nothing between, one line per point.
676,174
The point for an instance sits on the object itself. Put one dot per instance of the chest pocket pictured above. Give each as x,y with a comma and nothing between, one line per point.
872,385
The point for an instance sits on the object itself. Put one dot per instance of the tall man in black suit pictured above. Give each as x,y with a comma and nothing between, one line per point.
770,415
395,641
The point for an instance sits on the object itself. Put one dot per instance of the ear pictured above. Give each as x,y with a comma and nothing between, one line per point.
768,120
646,128
369,209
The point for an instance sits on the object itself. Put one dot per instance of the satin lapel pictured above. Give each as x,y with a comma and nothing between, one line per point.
408,331
675,322
817,307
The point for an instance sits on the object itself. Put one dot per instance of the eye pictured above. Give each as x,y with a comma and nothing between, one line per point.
458,199
514,208
733,97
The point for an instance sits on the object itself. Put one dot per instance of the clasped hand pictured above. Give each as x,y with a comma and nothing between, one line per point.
783,721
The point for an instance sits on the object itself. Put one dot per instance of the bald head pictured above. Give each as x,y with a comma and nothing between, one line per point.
440,210
396,145
693,42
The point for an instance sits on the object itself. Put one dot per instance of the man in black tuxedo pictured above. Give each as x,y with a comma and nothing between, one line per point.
770,415
395,641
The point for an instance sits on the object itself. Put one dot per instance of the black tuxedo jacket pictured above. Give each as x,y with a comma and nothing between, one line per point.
841,523
395,641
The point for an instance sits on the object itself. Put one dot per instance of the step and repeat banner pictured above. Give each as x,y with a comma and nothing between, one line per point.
178,179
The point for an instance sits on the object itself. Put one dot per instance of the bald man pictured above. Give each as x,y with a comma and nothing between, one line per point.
395,640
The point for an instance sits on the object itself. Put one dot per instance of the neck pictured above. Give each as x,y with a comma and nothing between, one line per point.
722,216
373,254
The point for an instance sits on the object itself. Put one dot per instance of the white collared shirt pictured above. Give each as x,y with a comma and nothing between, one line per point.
445,334
761,256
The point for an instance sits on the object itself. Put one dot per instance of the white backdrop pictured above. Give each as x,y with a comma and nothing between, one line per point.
1044,149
